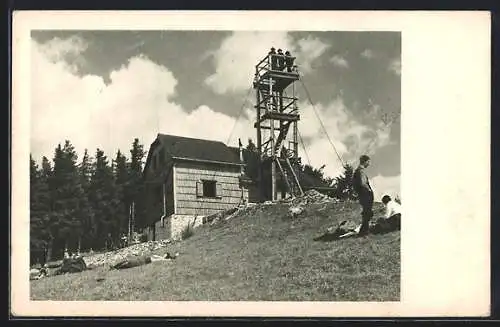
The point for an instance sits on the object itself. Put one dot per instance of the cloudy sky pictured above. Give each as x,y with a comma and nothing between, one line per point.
101,89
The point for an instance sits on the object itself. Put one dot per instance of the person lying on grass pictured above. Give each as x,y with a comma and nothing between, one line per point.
346,228
135,261
391,221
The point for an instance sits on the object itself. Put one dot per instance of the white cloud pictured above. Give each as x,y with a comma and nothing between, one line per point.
136,103
237,56
349,136
240,52
395,66
383,185
309,49
57,49
68,50
367,53
339,61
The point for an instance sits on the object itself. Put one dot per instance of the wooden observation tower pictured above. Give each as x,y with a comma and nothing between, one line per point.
276,124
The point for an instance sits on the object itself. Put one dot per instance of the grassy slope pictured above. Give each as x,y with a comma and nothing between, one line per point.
245,259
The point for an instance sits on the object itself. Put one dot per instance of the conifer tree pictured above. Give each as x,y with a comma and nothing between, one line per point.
88,231
252,161
70,208
39,210
136,187
317,174
104,200
47,173
344,189
122,176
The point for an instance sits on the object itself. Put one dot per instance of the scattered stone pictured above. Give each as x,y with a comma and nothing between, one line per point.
297,206
310,197
35,274
139,249
294,212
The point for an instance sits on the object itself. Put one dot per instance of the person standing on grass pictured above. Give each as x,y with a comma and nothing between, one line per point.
362,187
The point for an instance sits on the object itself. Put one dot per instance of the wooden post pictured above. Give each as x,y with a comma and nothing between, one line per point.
79,244
280,93
273,153
259,145
174,187
278,155
50,248
295,126
129,224
164,200
164,205
241,156
133,217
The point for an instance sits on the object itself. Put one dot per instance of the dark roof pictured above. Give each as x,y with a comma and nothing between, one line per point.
191,148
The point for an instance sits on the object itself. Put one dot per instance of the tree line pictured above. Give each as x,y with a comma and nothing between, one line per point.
85,204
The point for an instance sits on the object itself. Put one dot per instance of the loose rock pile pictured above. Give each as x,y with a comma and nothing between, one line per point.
294,212
212,219
296,207
310,197
110,258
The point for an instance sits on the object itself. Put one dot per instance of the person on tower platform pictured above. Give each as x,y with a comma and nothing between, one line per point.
274,59
281,60
289,61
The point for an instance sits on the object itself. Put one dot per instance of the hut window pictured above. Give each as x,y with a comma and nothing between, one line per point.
208,189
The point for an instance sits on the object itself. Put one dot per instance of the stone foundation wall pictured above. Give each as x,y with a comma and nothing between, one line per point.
173,226
179,222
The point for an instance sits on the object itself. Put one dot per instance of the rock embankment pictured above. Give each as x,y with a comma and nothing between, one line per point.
110,258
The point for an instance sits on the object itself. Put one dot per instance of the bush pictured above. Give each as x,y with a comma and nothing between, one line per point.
187,232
